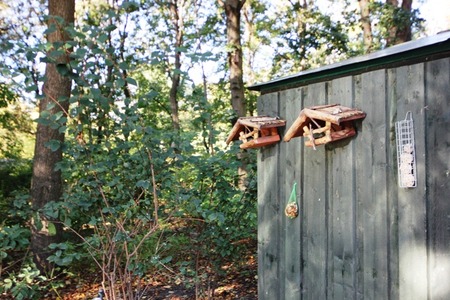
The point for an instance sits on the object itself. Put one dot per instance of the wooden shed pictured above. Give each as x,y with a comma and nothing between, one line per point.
359,235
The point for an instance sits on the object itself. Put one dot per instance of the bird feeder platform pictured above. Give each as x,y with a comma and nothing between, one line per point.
257,131
324,124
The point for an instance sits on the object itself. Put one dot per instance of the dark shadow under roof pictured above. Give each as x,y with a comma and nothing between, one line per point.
423,49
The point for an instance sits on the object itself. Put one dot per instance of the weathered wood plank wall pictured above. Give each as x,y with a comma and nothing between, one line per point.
358,235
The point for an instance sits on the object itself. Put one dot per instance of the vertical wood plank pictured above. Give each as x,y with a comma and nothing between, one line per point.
358,143
268,210
292,156
412,208
314,214
438,175
392,186
281,177
371,181
341,197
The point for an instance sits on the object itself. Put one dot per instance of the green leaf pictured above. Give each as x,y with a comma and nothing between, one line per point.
130,6
51,229
110,28
50,106
81,52
70,44
31,88
120,83
53,145
131,81
55,54
63,69
66,260
102,38
109,62
212,217
123,65
30,55
51,28
145,184
57,115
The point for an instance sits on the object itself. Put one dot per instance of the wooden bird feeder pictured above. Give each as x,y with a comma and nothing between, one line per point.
255,132
324,124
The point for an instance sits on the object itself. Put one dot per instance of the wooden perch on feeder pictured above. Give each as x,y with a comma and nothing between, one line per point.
324,124
256,131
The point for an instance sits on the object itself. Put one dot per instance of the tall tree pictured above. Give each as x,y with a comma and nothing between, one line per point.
400,31
305,37
233,27
19,62
233,21
175,76
395,21
366,25
171,44
46,183
256,38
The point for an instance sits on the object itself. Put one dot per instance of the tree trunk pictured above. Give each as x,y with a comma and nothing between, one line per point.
404,32
233,17
366,25
390,39
175,75
300,11
253,43
400,32
46,185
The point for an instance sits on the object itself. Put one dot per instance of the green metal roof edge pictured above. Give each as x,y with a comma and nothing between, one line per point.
396,55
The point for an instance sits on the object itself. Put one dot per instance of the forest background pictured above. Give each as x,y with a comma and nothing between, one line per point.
113,116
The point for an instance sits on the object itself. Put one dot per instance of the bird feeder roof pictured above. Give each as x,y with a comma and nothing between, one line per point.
333,113
257,122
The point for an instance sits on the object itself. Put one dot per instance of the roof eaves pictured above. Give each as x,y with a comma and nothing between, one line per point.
397,54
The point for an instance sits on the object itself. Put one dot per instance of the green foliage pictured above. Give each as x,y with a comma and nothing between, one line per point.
15,123
389,16
6,96
15,179
21,46
305,38
385,20
14,238
25,284
129,189
21,283
65,254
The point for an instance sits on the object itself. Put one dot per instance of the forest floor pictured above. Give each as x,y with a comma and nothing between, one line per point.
239,283
232,279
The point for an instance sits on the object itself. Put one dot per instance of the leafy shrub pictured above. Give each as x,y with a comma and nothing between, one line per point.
14,238
15,179
23,285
